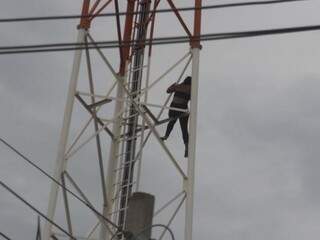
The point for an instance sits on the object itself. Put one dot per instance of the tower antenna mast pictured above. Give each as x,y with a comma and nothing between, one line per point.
129,125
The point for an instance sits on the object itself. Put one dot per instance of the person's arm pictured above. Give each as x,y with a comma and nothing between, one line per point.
181,88
171,88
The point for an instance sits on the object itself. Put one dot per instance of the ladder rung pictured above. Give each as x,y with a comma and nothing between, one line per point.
129,138
122,154
126,185
120,210
125,139
130,116
118,197
126,136
128,163
118,183
120,168
137,69
134,81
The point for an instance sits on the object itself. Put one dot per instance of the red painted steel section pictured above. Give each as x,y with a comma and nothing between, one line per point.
197,25
94,7
100,9
176,12
118,23
153,19
127,35
85,20
156,3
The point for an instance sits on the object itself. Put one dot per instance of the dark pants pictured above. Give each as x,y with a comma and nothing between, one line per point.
183,119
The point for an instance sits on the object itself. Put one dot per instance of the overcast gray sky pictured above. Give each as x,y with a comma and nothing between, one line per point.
258,123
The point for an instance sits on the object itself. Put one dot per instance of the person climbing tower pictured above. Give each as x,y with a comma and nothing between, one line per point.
180,100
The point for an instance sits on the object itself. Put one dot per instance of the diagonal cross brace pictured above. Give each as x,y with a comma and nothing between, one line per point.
143,115
176,12
86,106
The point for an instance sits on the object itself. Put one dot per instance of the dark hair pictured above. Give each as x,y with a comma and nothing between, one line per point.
187,80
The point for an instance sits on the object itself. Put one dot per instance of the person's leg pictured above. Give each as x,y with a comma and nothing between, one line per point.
184,128
185,135
171,123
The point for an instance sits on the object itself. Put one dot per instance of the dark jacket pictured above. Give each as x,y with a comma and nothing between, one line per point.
181,95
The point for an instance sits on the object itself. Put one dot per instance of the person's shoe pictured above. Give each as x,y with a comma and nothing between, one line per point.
164,138
186,152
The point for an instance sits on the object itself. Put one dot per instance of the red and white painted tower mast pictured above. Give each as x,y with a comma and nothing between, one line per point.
132,122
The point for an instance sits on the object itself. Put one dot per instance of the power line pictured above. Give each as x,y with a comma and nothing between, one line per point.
58,47
4,236
57,182
208,7
35,209
14,193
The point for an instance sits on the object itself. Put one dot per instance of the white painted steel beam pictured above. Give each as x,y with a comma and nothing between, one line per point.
60,161
113,155
189,183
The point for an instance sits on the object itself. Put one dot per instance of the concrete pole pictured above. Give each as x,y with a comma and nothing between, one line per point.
140,215
60,161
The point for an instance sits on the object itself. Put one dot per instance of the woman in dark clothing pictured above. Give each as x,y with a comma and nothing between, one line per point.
180,100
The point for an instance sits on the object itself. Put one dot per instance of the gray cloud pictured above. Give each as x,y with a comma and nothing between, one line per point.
257,166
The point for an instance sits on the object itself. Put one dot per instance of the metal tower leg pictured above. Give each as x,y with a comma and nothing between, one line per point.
192,144
113,158
60,161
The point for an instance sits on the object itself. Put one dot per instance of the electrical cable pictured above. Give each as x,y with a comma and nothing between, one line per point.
126,233
154,226
4,236
114,44
35,209
68,17
57,47
131,236
57,182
